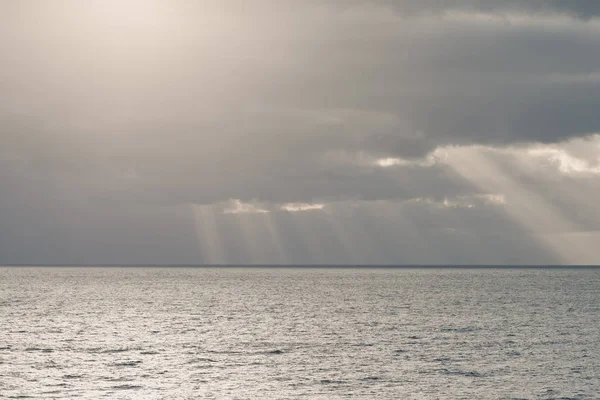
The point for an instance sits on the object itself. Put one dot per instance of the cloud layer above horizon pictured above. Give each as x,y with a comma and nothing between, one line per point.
362,132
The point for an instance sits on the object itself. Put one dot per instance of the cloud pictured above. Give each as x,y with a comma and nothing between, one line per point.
564,162
292,106
585,9
433,158
238,207
300,207
462,201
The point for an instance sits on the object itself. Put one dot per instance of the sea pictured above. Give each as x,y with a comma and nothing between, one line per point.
299,333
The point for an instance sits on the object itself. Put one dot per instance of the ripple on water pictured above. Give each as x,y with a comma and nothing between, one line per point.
40,349
126,387
201,360
458,372
132,363
114,351
72,376
332,382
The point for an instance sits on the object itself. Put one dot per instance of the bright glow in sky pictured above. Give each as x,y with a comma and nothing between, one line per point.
126,14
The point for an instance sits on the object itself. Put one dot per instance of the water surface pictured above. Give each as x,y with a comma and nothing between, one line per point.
169,333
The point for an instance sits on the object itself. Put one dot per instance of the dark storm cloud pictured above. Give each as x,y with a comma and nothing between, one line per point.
584,9
252,109
580,8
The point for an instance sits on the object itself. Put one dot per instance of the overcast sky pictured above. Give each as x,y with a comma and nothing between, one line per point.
316,131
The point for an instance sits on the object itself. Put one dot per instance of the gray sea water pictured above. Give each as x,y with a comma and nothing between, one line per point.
186,333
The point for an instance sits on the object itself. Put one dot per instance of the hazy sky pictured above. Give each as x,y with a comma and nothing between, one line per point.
315,131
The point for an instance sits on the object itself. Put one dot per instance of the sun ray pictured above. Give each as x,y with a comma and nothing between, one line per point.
526,207
275,238
343,234
208,233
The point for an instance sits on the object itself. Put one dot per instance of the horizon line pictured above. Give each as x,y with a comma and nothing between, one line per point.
324,266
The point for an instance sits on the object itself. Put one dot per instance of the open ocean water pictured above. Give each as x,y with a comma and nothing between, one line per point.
186,333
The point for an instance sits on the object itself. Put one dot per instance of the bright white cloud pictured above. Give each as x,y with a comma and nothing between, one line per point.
239,207
390,162
496,199
299,207
470,201
437,156
565,163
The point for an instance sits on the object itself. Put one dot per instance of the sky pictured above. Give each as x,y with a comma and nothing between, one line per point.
300,132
